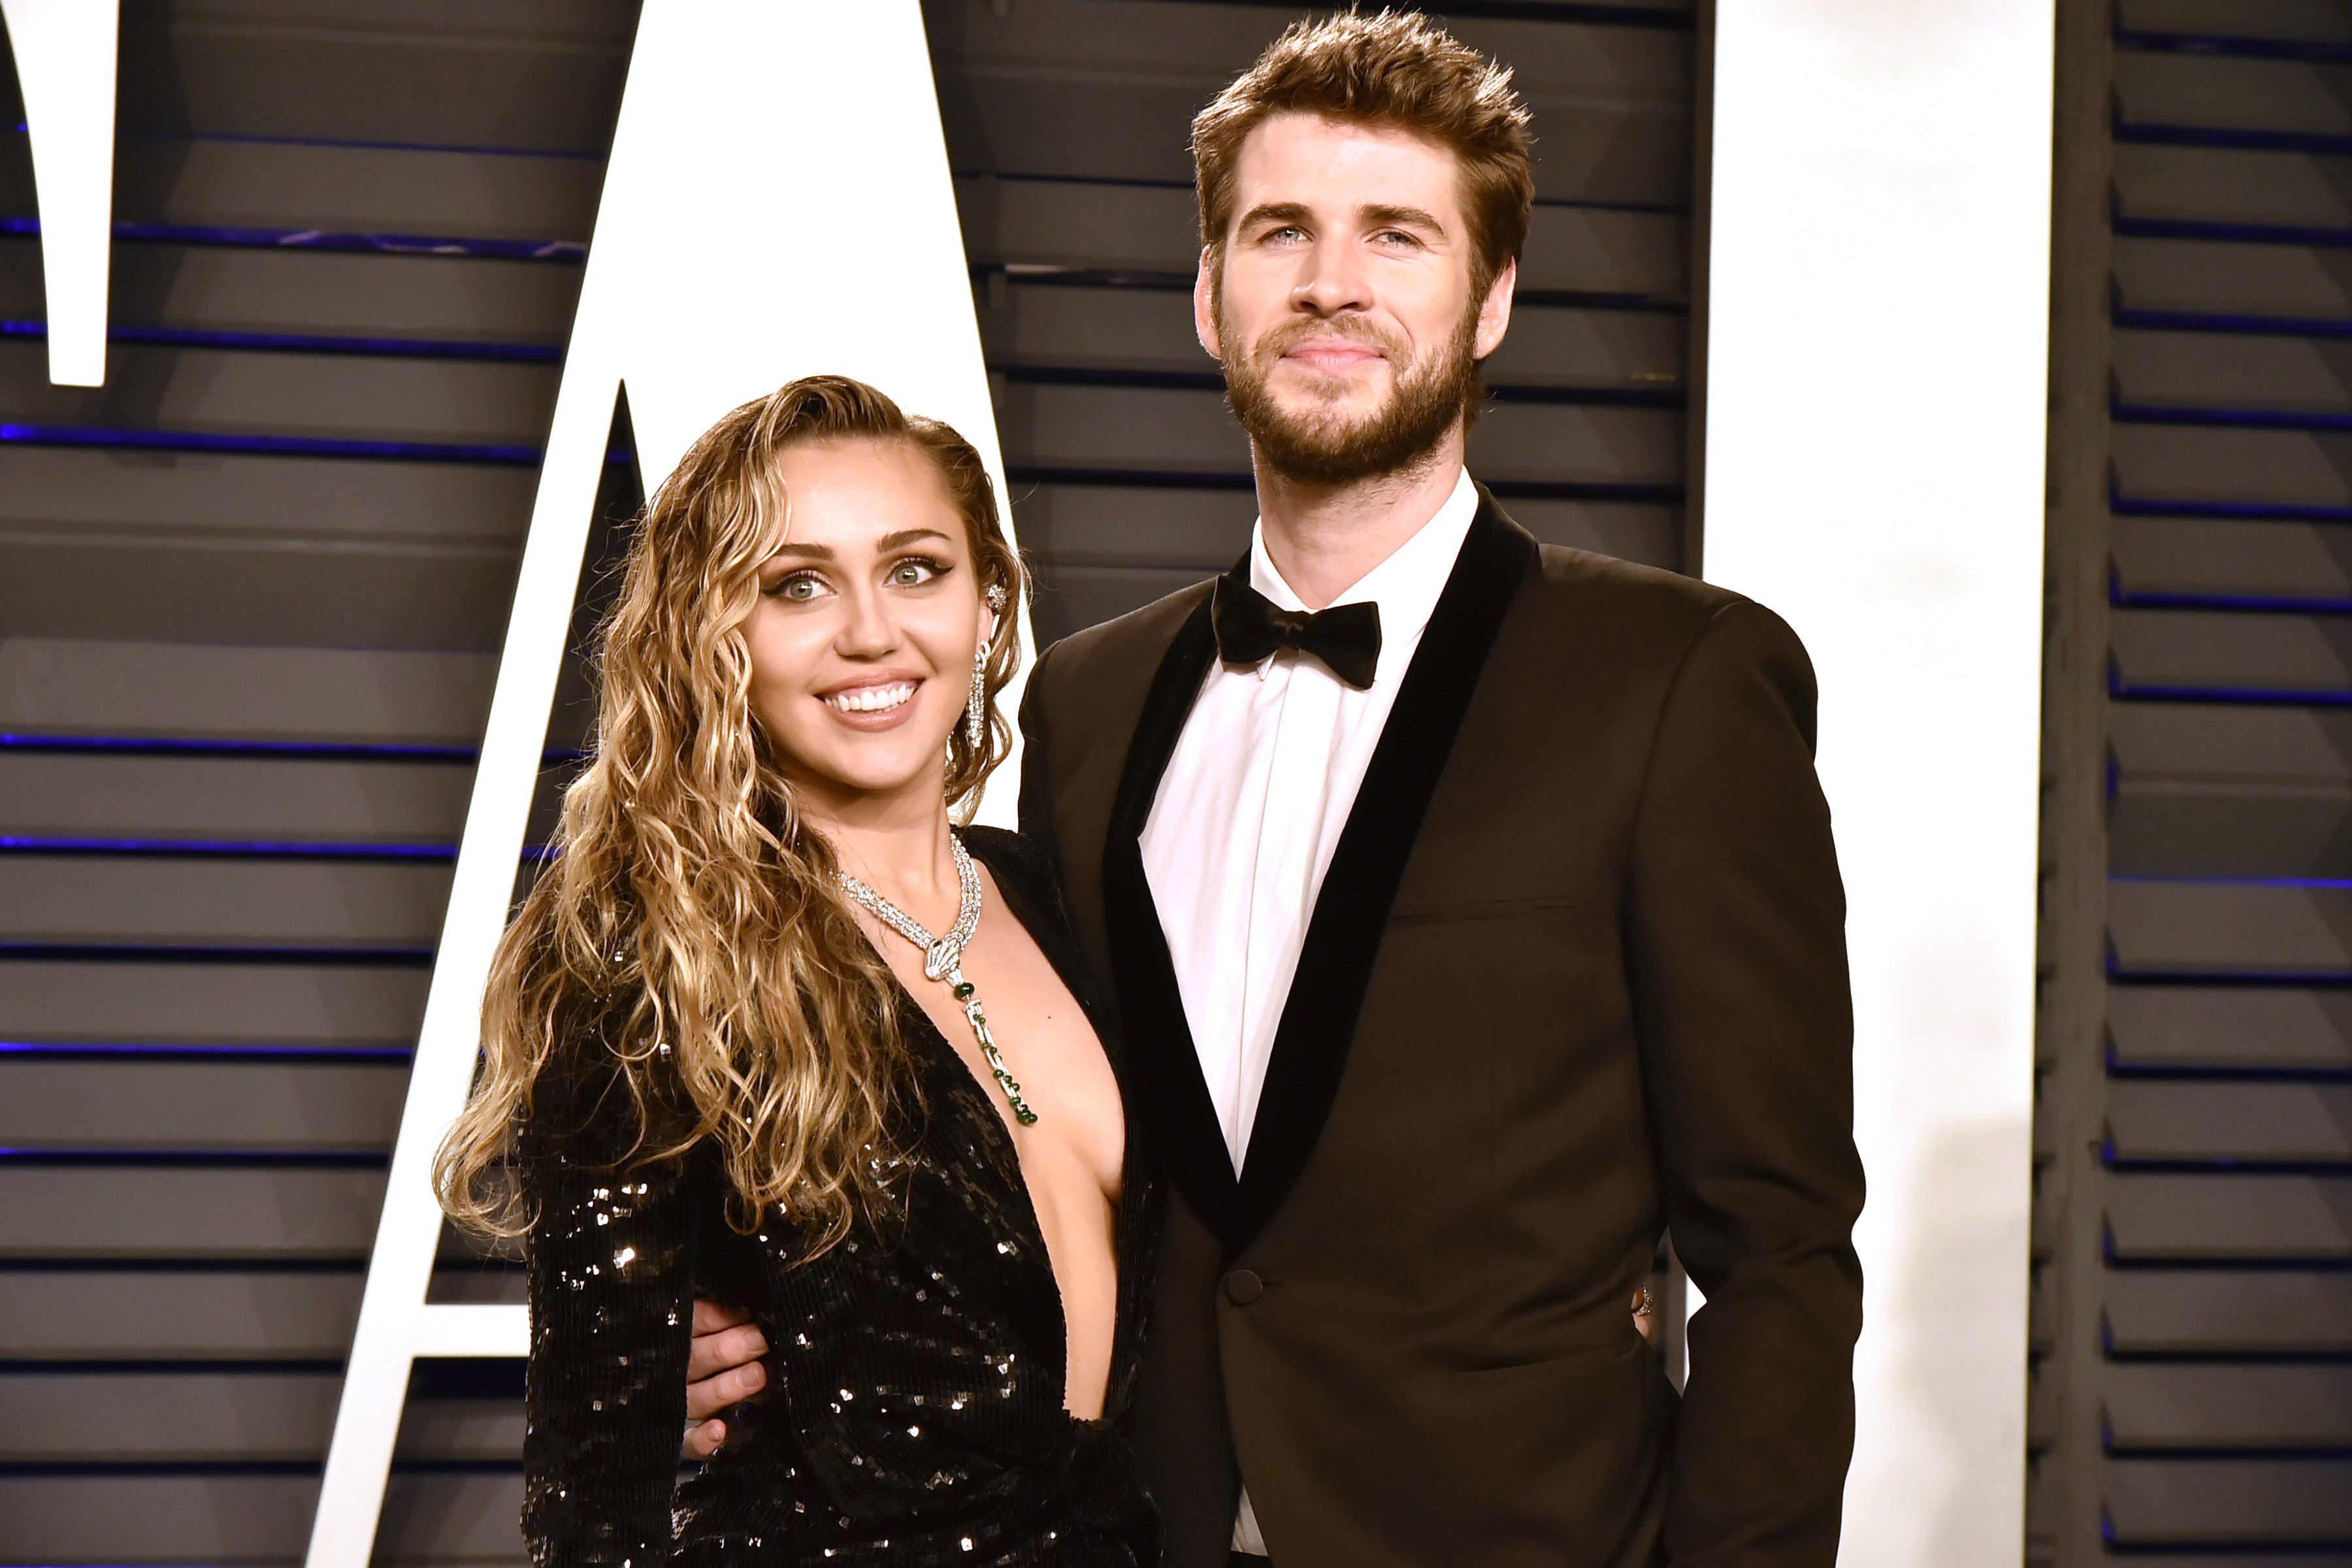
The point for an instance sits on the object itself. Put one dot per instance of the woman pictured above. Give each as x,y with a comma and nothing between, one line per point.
770,1025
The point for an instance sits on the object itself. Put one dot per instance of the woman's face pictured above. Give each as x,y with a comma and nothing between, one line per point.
868,620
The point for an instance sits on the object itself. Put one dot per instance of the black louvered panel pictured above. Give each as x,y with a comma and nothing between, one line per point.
73,798
1067,123
82,1103
240,550
88,1316
2191,1313
2245,1030
2209,789
251,595
209,393
194,1514
2203,1321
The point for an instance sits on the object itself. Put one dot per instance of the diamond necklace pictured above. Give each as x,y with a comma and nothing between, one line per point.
943,959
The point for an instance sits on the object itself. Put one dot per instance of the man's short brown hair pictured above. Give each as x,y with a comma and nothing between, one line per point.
1400,70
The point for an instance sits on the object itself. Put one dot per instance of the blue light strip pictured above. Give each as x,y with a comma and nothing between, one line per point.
203,1159
2251,979
216,952
300,343
51,1050
242,237
2240,603
298,751
2232,140
268,445
2252,696
93,1468
2223,1072
197,1263
2337,884
2241,233
90,1366
2217,1164
2326,420
461,148
2142,319
2148,40
244,849
222,848
2123,505
167,746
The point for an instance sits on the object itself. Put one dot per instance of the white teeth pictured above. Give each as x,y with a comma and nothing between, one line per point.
874,699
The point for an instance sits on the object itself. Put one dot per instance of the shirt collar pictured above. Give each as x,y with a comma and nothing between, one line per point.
1405,587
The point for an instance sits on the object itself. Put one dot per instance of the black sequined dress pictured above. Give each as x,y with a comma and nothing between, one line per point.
913,1414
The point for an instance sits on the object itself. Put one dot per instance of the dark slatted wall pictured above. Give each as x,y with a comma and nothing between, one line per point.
2193,1396
251,595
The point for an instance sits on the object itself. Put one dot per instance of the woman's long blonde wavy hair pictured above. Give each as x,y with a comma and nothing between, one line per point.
686,946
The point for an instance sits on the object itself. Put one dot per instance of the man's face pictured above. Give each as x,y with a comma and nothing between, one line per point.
1342,308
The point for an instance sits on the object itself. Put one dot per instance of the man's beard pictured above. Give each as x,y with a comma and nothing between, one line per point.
1428,398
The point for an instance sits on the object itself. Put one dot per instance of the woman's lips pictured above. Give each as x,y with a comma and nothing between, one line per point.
883,705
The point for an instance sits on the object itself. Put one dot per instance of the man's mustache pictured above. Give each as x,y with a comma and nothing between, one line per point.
1279,340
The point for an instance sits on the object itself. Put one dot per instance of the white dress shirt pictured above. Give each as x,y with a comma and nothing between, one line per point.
1252,806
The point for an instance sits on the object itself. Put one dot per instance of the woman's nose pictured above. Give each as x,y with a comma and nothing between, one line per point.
868,628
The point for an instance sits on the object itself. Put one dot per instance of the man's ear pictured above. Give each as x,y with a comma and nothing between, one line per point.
1204,304
1495,310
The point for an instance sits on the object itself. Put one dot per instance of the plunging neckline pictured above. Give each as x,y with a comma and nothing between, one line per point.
1009,1147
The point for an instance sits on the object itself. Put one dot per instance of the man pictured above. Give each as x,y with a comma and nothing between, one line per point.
1472,914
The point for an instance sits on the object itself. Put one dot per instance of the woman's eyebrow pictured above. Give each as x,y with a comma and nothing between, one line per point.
905,536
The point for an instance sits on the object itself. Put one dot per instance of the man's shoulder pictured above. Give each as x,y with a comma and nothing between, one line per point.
1587,579
1655,632
1128,648
1638,607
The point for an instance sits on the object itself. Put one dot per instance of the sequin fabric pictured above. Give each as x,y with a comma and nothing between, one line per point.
914,1410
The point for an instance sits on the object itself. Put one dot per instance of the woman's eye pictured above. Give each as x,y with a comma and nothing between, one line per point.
913,574
799,588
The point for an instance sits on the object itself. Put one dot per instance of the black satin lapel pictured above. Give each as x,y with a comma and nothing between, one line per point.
1343,939
1177,1109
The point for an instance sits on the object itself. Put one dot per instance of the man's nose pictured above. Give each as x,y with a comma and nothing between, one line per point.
1333,281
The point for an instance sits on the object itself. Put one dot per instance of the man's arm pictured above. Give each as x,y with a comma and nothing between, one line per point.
1735,925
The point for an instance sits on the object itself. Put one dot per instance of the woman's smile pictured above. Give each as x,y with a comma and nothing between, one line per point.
882,702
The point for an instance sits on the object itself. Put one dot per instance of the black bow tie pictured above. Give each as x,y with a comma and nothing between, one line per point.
1346,637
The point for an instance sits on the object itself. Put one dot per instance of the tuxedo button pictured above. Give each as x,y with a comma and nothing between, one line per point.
1242,1286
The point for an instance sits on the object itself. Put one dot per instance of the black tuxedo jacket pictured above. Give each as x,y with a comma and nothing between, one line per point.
1577,974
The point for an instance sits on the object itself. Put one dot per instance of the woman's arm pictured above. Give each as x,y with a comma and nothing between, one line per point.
612,1276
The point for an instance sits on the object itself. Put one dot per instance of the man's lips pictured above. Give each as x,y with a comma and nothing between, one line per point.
1332,355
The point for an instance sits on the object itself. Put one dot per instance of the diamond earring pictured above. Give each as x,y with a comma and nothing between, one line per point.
975,713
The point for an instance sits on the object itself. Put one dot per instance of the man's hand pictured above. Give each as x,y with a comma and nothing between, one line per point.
1645,1316
722,1372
